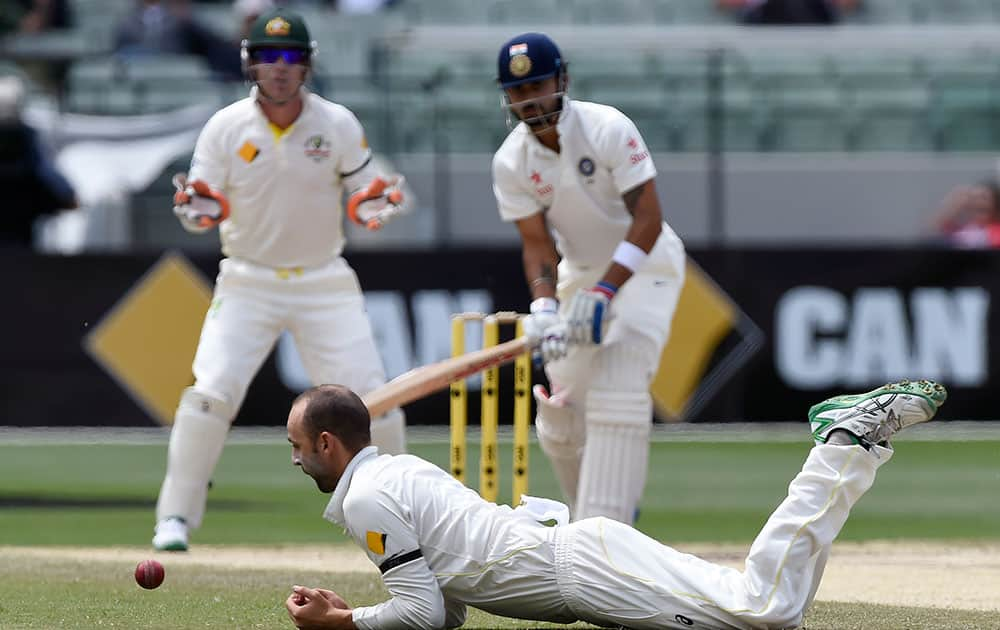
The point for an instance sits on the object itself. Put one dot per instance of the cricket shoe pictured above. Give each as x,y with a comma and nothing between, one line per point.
875,416
171,534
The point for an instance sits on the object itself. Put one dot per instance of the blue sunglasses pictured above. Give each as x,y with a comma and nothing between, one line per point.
272,55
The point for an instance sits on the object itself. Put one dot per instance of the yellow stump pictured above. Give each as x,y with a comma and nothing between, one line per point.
489,463
522,420
459,409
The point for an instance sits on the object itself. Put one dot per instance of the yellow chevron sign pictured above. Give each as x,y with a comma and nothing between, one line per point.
148,339
705,316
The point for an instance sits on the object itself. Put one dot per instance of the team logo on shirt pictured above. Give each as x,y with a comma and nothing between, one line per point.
520,65
376,542
317,148
586,166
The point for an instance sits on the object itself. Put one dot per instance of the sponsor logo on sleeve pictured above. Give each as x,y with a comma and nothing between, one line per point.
541,188
639,153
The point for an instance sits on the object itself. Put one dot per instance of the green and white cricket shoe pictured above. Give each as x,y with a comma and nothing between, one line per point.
171,534
875,416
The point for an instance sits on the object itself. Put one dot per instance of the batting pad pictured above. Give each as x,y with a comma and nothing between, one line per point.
613,470
196,440
561,434
389,432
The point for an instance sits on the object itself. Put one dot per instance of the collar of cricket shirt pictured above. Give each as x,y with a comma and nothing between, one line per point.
561,126
303,92
565,116
335,508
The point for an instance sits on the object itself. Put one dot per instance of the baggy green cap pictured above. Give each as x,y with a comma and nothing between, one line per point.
279,27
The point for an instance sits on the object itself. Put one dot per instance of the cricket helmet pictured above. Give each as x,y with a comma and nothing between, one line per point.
278,28
528,57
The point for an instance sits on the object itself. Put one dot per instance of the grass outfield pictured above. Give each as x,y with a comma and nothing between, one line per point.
101,595
697,491
98,495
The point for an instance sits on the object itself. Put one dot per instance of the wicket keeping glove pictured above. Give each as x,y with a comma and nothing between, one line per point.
588,314
198,206
377,204
544,314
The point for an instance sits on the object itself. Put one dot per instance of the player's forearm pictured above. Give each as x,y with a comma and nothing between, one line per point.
398,614
647,218
642,236
647,224
541,272
360,178
341,619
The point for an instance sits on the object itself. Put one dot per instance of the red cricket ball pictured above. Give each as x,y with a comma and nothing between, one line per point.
149,574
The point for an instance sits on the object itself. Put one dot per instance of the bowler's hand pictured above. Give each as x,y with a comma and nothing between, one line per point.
317,609
333,598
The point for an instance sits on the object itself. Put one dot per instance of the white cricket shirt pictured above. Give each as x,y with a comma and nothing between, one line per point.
440,546
284,193
602,156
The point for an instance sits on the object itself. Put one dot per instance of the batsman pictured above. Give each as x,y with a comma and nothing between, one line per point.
605,273
271,171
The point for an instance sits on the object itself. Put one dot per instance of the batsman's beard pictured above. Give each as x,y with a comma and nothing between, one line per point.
539,123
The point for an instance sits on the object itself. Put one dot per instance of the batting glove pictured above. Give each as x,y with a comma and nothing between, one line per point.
197,205
588,314
377,204
544,314
555,342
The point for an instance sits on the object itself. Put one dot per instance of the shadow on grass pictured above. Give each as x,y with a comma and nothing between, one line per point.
55,502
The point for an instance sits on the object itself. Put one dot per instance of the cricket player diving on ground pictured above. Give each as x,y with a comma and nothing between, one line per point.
270,171
440,547
604,269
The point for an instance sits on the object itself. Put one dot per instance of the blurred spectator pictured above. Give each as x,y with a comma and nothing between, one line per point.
168,26
41,15
789,11
27,18
363,6
970,216
249,10
32,185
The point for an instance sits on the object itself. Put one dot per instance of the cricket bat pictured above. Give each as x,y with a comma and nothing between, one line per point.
427,379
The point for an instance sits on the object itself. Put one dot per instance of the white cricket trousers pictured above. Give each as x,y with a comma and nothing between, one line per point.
323,309
609,573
